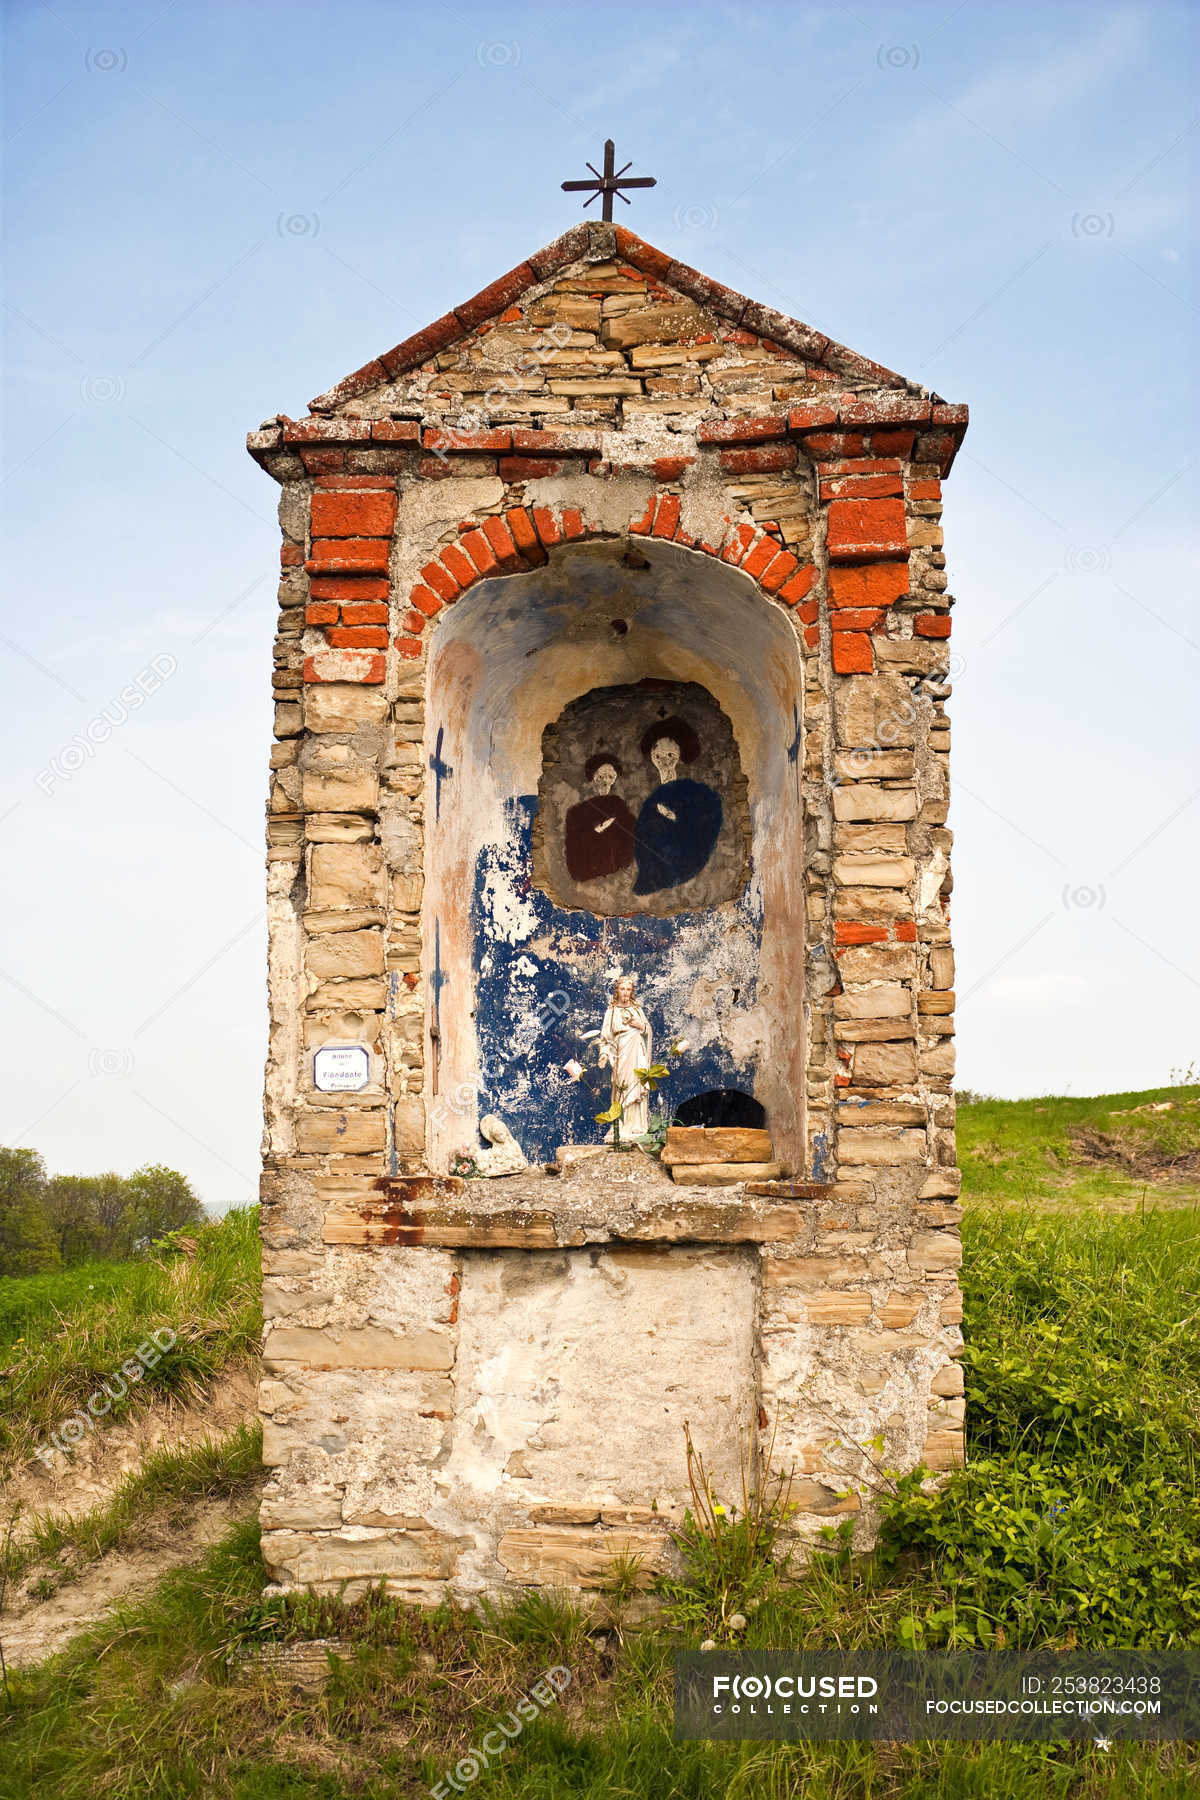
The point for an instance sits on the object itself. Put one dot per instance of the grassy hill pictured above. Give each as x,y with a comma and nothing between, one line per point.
1076,1523
62,1335
1115,1149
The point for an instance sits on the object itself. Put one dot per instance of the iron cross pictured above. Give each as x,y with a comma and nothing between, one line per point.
608,184
437,981
442,771
794,747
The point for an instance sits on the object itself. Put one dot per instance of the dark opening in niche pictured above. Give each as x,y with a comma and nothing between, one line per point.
723,1106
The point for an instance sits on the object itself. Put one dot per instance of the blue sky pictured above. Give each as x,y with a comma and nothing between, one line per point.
214,212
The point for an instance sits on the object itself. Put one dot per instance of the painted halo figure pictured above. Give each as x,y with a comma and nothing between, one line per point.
625,1041
680,820
598,831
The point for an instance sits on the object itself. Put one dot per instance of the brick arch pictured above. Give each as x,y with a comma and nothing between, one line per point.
520,539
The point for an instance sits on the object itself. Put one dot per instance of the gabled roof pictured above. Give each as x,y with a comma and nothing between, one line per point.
591,241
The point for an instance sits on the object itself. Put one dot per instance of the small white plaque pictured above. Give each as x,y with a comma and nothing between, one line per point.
338,1068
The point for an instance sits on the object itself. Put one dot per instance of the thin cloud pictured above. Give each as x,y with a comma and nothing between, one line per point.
1042,87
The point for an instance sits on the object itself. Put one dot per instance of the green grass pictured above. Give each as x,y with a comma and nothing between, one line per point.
76,1333
1076,1523
1033,1149
157,1704
28,1303
1078,1517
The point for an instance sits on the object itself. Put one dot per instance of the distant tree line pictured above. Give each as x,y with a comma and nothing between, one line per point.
50,1221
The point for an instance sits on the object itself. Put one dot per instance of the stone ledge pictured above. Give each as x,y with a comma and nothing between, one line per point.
559,1556
625,1199
696,1218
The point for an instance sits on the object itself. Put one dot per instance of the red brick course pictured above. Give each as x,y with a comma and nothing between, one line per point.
857,618
369,612
524,535
852,653
361,513
860,592
348,587
868,584
846,931
743,431
500,539
794,590
462,441
860,487
356,637
866,529
349,556
426,601
759,462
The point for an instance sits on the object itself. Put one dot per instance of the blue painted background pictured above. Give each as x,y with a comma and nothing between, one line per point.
522,1077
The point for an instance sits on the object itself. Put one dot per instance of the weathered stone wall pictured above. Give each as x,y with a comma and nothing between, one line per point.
615,398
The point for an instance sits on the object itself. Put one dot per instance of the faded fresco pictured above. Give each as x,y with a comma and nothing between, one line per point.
544,981
642,802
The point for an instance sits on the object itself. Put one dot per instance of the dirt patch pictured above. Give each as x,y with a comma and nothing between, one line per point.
1138,1160
83,1480
38,1622
1146,1197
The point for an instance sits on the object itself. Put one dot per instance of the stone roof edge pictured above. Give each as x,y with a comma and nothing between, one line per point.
593,241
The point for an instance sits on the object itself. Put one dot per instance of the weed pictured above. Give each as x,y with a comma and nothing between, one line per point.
730,1555
626,1576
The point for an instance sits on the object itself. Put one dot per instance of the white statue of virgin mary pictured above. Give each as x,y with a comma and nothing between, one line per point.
625,1040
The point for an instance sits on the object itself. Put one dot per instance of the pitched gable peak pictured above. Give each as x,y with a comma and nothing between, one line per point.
592,242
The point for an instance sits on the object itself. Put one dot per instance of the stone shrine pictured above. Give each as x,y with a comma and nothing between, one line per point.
612,642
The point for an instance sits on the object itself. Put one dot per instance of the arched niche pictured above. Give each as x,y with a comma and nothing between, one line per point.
516,980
